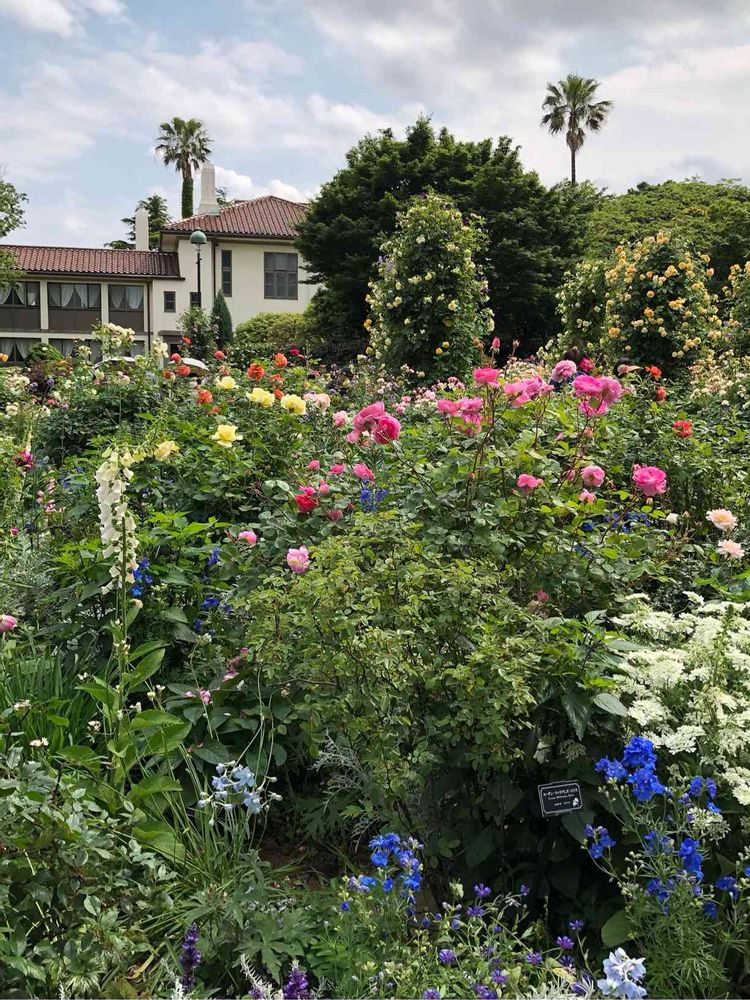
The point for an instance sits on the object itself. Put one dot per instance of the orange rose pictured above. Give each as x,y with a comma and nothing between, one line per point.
682,428
256,372
280,360
204,396
661,394
183,370
168,374
278,393
653,370
175,357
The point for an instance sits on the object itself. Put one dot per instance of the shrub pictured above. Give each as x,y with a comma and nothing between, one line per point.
266,333
428,304
221,321
198,327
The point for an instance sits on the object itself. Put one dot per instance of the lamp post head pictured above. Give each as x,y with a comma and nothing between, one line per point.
198,238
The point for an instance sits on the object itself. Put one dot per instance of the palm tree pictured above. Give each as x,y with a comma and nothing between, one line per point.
571,108
186,144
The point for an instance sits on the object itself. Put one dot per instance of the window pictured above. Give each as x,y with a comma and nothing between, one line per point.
68,296
25,293
16,348
195,298
126,298
280,276
170,302
226,272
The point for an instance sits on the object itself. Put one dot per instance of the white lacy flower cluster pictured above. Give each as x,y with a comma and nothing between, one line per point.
687,685
117,527
113,338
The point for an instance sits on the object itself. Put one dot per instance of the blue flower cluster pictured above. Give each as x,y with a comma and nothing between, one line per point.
404,873
237,780
638,766
211,603
142,578
370,497
601,840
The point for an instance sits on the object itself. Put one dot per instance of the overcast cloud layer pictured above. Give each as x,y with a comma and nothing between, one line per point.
285,89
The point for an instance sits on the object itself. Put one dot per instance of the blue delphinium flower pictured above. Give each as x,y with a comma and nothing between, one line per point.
622,976
728,883
710,909
370,497
639,753
524,890
645,784
345,906
446,956
190,957
613,770
655,843
689,853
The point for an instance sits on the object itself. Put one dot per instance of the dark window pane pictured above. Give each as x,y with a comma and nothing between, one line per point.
32,293
53,295
94,297
170,304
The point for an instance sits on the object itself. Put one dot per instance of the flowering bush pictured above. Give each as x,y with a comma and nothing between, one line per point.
428,303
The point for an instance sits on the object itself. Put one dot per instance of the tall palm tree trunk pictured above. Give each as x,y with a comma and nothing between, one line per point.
187,193
572,168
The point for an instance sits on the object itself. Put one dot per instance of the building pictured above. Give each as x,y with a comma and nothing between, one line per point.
249,254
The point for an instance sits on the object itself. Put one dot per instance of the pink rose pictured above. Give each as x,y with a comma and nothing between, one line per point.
335,514
337,469
362,471
7,623
386,430
563,370
586,365
248,536
593,475
324,489
611,389
486,376
369,415
650,479
298,559
353,437
495,343
527,483
306,503
542,596
587,385
315,464
340,417
448,406
585,497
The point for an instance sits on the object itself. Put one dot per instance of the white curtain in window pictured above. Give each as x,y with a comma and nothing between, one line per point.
63,345
32,293
116,297
6,345
5,294
134,297
67,293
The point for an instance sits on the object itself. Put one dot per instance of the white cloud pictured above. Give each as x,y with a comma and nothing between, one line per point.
58,17
242,186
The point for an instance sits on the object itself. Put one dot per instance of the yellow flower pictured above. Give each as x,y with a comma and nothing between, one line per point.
226,383
226,435
165,449
294,404
261,396
670,272
438,350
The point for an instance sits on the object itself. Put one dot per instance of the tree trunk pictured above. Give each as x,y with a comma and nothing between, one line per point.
572,168
187,195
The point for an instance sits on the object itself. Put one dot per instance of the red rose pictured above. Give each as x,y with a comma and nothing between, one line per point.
219,355
682,428
305,504
661,394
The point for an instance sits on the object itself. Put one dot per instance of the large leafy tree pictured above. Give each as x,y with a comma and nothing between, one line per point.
713,218
185,144
571,107
11,217
532,233
158,217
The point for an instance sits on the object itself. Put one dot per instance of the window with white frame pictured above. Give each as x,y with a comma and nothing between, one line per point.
62,295
126,298
24,293
280,275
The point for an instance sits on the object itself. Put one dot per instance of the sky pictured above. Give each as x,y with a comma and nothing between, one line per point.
286,88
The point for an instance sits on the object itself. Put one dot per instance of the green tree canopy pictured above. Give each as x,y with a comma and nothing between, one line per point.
532,235
714,218
158,217
185,144
11,217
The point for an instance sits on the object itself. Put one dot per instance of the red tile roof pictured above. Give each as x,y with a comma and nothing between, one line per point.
104,263
268,216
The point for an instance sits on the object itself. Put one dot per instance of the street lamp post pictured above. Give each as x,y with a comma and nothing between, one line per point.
198,239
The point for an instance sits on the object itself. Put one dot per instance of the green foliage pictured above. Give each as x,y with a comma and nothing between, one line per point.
158,218
185,144
198,326
265,334
531,234
221,320
649,302
713,218
11,207
428,303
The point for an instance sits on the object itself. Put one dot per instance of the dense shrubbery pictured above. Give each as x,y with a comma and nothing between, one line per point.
253,614
266,333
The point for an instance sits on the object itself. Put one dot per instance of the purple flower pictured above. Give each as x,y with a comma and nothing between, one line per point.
481,890
499,977
431,994
565,942
190,957
576,925
485,992
446,956
475,911
534,958
296,987
524,890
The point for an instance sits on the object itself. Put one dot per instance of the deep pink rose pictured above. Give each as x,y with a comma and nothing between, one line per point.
650,479
448,406
587,385
336,469
369,415
486,376
386,430
315,464
527,483
306,503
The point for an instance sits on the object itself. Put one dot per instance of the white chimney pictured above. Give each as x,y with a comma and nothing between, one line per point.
141,229
209,205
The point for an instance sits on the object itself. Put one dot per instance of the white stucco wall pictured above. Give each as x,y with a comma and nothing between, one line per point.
247,297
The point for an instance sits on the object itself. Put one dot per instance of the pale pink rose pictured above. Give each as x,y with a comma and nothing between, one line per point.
336,469
730,549
298,559
722,519
650,479
315,464
563,370
592,475
362,471
324,489
527,483
486,376
353,437
248,536
340,418
448,406
585,497
335,514
611,389
7,623
386,430
570,475
401,409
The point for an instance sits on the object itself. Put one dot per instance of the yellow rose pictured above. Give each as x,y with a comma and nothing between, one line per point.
226,435
226,383
165,449
261,396
294,404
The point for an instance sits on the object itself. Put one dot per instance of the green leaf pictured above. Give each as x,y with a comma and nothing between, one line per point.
616,930
153,717
155,784
84,756
174,615
577,707
480,848
145,669
160,837
608,703
212,752
58,720
147,647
